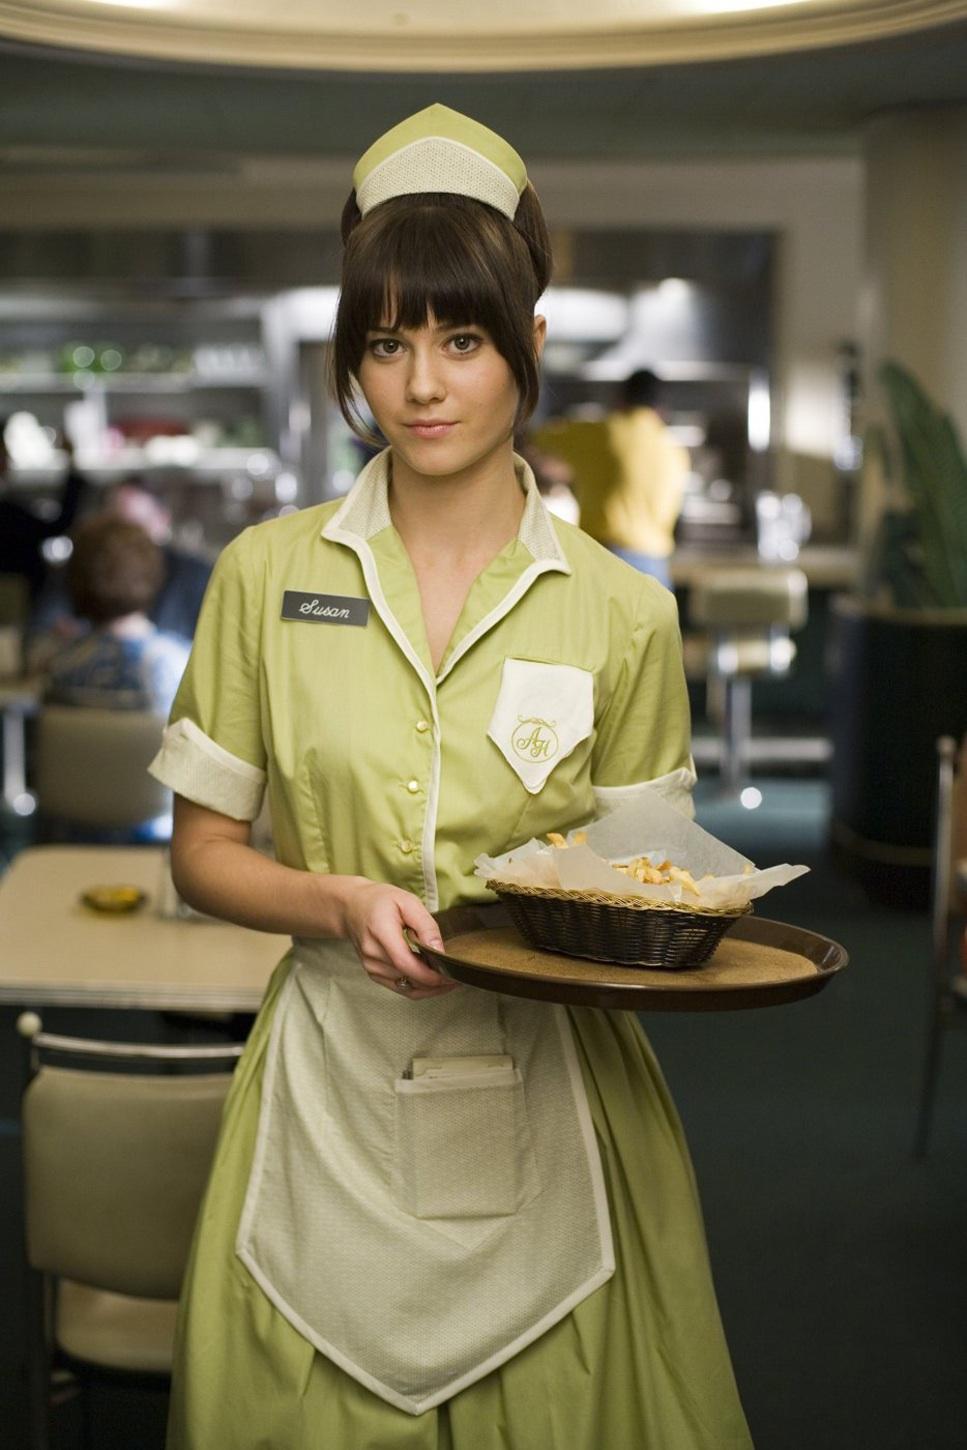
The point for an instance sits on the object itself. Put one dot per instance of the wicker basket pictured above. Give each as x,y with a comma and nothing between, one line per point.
630,931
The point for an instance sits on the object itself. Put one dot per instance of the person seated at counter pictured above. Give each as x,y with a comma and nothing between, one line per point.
124,661
176,605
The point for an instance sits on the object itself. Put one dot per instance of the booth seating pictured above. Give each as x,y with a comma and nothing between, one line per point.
115,1165
747,615
948,908
92,771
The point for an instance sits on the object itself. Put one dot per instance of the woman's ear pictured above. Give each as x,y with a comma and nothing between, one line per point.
540,336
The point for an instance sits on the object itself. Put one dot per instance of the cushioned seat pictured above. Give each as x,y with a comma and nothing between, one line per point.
116,1331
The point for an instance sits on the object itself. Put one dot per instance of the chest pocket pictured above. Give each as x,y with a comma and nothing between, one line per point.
542,713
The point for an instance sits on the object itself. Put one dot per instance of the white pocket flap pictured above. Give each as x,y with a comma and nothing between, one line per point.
542,713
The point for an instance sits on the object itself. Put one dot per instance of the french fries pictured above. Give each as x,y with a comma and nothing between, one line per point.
664,874
641,868
556,839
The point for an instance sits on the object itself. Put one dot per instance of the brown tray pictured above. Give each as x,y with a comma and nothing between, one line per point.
760,963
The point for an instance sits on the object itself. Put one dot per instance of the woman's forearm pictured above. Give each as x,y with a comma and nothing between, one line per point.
230,879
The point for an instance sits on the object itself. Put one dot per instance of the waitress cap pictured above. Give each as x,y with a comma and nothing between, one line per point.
440,150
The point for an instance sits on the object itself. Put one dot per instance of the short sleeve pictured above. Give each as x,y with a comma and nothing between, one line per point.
644,730
213,751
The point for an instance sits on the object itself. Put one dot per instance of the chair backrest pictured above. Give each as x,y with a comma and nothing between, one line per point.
92,766
14,608
759,598
14,600
115,1165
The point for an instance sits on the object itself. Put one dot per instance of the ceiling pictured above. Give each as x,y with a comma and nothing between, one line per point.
61,107
416,35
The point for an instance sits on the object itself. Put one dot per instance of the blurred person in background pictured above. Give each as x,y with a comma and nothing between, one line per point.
22,532
553,478
124,661
629,474
176,603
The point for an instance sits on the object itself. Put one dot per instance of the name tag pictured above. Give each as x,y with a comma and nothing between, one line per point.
324,608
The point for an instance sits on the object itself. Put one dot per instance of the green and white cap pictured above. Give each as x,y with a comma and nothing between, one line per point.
439,150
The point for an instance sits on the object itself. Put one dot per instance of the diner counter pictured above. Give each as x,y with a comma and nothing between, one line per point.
826,566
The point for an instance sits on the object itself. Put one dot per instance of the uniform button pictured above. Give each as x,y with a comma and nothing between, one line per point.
406,847
412,786
423,726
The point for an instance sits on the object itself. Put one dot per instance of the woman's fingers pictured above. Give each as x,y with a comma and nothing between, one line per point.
388,957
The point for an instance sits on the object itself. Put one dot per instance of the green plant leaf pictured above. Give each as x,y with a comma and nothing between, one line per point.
935,479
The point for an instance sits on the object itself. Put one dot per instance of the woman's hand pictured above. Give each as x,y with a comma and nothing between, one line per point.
375,915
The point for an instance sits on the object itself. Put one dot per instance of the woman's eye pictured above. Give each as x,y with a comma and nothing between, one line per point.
465,342
384,347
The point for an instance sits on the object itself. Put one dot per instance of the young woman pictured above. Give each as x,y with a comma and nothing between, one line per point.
506,1252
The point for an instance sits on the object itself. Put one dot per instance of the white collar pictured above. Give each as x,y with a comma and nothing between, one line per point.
365,512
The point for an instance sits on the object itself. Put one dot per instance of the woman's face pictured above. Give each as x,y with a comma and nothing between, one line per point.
443,397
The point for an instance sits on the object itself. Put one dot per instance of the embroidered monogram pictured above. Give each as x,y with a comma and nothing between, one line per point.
535,740
324,608
542,712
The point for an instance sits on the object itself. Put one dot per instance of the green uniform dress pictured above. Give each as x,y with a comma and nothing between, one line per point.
311,677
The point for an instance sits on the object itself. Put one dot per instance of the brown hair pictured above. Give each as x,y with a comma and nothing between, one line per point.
114,570
446,256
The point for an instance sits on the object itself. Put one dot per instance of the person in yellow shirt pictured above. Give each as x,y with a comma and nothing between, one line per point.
629,475
490,1259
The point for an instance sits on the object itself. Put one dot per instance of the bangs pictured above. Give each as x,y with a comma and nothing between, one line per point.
428,266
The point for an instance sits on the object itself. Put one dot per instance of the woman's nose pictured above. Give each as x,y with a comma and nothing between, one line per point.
424,381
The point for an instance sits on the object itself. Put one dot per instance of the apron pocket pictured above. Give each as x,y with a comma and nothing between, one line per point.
463,1146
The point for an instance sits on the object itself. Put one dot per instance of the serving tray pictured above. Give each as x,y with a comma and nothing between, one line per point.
761,963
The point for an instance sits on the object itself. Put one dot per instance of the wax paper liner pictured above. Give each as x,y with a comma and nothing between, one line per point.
645,826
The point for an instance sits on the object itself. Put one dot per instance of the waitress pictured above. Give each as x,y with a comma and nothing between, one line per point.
501,1248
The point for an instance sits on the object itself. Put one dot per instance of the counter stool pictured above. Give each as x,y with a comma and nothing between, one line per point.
747,614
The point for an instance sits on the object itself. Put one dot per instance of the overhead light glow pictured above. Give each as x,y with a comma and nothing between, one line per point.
726,7
139,4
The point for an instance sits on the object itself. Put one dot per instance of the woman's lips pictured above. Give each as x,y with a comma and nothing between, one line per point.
430,430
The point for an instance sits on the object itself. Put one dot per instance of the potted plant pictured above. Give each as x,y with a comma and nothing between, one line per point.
899,668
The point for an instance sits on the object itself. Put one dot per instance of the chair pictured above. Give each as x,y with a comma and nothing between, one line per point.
748,615
92,769
14,609
115,1164
948,1010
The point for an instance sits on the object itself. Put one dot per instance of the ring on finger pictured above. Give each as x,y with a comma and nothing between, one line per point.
403,984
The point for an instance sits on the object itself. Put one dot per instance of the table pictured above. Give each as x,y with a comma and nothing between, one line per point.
55,951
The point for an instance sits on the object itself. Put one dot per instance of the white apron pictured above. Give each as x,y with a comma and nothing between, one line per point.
420,1232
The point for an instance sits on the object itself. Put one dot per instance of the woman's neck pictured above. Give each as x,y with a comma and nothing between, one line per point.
466,517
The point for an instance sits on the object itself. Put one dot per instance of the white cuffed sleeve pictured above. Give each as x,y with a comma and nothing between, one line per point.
213,751
643,732
197,767
676,787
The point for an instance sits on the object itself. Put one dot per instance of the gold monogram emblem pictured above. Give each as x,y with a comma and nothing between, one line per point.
535,739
